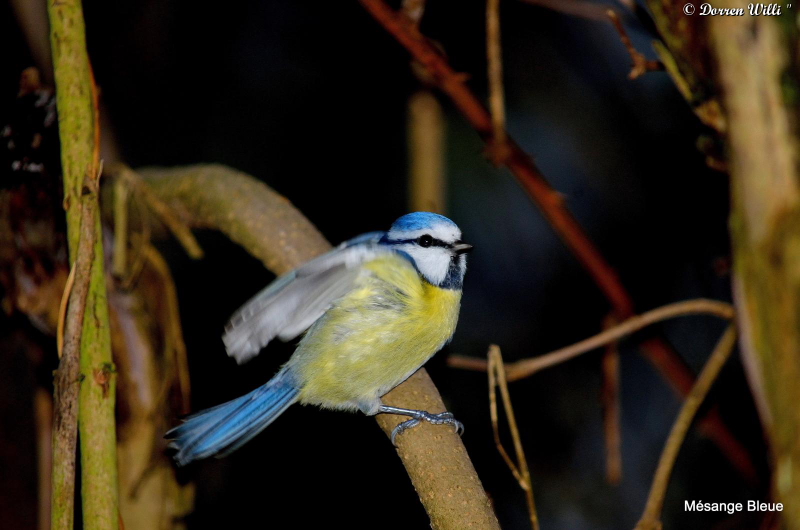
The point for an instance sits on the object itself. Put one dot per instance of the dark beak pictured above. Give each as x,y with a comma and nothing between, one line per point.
459,247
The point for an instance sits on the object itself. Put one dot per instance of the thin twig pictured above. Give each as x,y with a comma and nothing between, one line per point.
119,262
426,154
67,379
527,367
652,513
140,243
164,212
497,377
611,409
600,12
62,311
174,333
494,59
641,65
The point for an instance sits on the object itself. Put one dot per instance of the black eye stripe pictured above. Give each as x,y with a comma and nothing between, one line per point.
434,242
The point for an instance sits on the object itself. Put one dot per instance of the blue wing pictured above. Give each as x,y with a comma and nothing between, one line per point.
292,303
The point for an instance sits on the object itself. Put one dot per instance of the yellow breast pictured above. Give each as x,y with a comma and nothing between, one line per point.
375,337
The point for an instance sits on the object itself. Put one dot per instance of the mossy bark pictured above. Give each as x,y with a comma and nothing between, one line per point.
755,57
77,129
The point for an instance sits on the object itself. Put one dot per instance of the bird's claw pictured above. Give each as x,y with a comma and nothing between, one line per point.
443,418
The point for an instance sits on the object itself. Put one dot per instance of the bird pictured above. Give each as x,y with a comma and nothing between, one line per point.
371,312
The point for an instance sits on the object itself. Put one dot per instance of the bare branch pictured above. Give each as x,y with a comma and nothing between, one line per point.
497,377
527,367
612,430
652,513
498,150
641,65
67,380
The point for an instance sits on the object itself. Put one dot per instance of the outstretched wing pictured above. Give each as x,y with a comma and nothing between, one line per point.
289,305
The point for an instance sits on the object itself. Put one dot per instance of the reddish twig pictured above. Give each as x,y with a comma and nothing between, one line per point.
611,409
641,65
599,12
521,165
550,202
414,9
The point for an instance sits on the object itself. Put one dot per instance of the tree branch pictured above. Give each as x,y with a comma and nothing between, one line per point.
271,229
521,165
655,502
520,470
67,381
79,133
641,65
759,74
612,415
527,367
494,66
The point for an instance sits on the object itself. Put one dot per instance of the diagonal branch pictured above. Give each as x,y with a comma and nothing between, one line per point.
652,513
521,165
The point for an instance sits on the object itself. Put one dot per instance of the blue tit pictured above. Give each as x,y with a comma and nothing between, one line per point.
373,310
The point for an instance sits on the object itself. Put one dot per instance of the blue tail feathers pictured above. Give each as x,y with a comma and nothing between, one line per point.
220,430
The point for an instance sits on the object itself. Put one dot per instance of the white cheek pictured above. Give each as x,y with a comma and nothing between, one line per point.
433,263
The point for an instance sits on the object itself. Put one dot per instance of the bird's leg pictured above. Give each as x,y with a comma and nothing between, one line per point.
418,416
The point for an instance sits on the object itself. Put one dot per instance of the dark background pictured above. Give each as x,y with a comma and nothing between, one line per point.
311,97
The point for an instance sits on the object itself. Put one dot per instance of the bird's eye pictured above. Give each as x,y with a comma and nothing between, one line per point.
425,241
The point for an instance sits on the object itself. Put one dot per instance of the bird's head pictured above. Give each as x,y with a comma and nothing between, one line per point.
433,242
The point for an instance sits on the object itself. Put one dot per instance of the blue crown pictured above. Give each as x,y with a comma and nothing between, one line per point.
421,221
